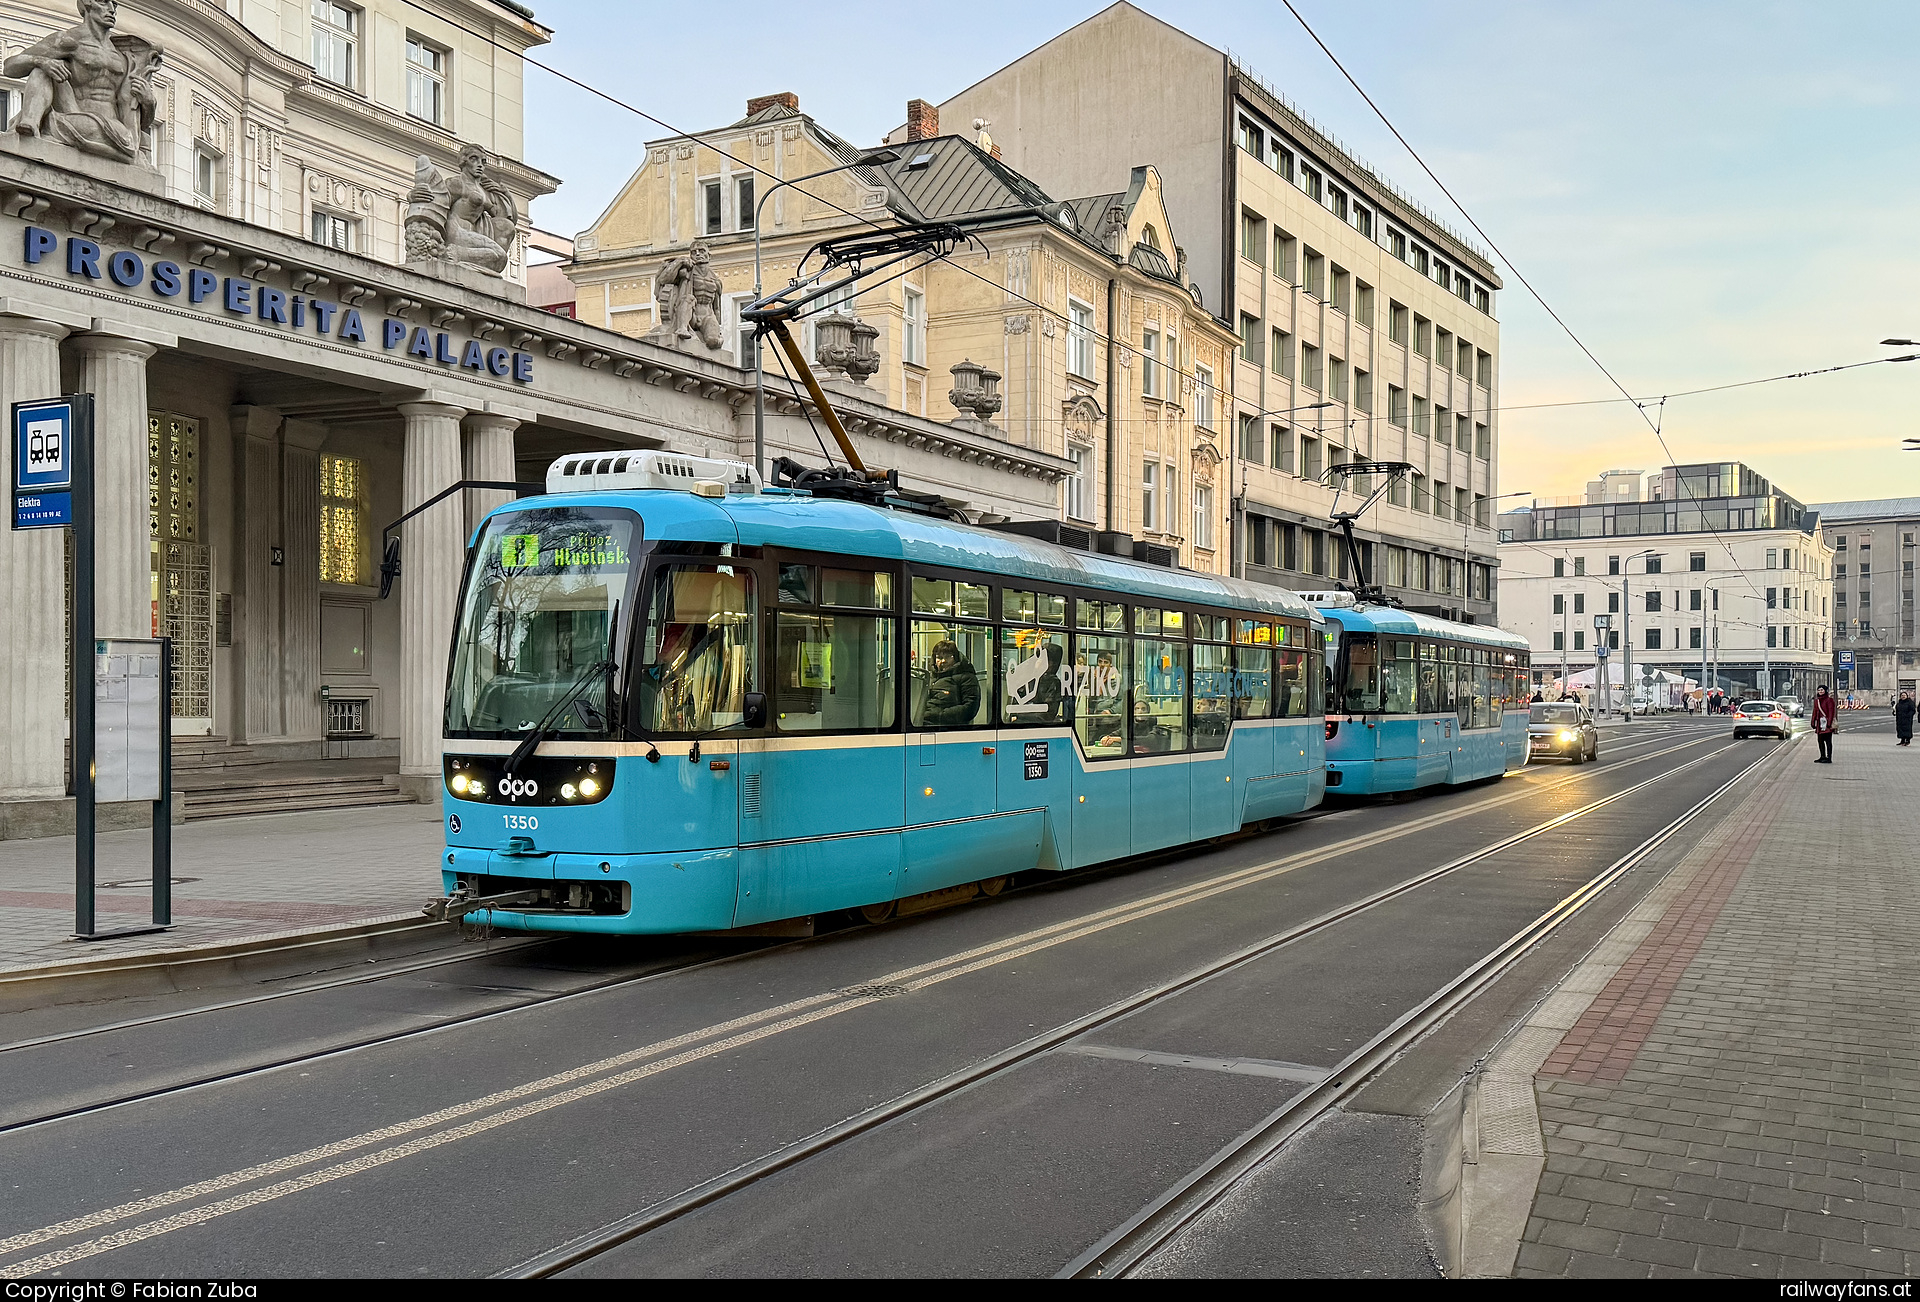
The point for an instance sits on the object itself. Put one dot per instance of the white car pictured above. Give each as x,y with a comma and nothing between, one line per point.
1752,718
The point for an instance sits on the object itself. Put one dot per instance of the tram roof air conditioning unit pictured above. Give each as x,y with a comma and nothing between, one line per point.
584,472
1053,531
1337,598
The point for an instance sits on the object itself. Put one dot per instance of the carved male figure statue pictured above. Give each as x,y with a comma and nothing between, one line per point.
87,87
465,217
688,290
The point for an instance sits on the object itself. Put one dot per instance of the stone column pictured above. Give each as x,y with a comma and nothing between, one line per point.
300,442
432,550
33,637
489,455
258,712
114,370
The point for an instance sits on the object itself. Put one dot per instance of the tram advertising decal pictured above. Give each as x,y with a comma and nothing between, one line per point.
241,297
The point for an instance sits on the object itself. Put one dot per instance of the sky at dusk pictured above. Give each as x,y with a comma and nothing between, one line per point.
1706,193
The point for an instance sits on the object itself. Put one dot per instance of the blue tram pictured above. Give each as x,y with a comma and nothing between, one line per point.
1416,701
673,712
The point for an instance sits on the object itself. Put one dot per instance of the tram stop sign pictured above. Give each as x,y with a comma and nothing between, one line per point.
1602,650
1846,659
43,461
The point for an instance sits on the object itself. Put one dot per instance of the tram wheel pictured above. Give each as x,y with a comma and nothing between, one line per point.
875,914
992,886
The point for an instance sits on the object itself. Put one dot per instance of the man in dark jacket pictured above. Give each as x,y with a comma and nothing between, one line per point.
1903,710
1824,714
953,690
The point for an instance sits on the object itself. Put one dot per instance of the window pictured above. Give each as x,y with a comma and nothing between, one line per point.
1773,598
1693,599
1309,459
1280,445
343,520
1579,603
1203,397
710,207
1310,364
1396,406
1483,300
1422,418
836,670
1203,517
1150,363
1559,567
1653,601
1363,220
1342,289
1282,358
913,346
1279,158
1284,246
1441,275
1257,539
333,231
1337,202
1559,604
1080,482
336,40
1613,603
1079,339
1613,565
745,338
206,173
1253,139
1463,359
1397,322
1253,238
1483,373
1249,338
1772,633
743,213
1579,640
1463,433
1309,181
1443,347
1482,442
1579,567
1773,558
697,661
1693,639
1559,641
1316,277
1337,379
950,673
1363,304
1363,390
1653,639
1251,447
1697,562
1148,496
1397,245
426,81
1653,564
1420,499
1422,336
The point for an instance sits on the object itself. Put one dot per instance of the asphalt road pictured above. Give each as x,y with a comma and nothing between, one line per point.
466,1117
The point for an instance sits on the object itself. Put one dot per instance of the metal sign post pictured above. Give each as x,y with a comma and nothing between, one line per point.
121,690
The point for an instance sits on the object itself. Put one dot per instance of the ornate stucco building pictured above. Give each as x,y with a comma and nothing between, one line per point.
284,252
1032,299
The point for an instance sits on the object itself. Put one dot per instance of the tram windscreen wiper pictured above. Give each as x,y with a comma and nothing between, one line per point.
540,730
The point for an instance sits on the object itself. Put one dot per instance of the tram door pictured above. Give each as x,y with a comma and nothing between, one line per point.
952,773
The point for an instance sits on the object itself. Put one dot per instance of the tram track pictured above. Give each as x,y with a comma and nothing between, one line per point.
460,1121
1345,1079
1099,920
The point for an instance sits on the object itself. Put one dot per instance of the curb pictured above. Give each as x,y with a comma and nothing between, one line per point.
19,978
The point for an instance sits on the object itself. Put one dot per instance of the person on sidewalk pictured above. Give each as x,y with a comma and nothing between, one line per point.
1903,710
1825,711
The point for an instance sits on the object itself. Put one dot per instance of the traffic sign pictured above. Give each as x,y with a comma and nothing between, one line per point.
42,480
1602,650
1846,659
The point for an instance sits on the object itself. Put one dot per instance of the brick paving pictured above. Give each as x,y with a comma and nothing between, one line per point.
1743,1097
234,879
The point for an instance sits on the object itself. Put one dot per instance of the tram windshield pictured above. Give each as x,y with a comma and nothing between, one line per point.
542,603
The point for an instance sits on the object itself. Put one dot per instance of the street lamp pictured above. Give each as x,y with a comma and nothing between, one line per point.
1766,660
1626,632
873,158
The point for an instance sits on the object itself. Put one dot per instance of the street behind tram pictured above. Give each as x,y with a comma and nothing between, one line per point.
1245,1058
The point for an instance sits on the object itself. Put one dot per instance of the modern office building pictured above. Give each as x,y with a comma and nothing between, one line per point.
1703,571
1366,325
1874,547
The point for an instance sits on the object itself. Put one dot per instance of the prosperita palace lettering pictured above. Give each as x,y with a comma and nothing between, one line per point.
241,297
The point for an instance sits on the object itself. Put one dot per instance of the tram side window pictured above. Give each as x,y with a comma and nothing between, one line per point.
1107,616
836,672
1034,677
1099,696
1316,681
697,656
950,675
1435,697
1212,696
946,597
1252,682
1483,705
1048,609
1290,686
1159,695
1363,674
1398,690
862,589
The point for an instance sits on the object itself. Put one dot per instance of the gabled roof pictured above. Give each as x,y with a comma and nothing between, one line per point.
1881,508
1091,212
1144,257
961,183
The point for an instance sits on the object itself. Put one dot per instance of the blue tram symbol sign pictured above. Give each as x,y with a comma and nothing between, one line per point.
43,462
1846,659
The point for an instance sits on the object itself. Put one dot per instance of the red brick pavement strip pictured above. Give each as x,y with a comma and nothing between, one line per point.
262,910
1604,1042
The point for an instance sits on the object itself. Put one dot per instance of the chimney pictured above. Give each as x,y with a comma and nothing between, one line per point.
923,120
786,99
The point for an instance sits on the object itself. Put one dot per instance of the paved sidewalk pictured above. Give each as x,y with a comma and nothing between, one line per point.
234,879
1742,1096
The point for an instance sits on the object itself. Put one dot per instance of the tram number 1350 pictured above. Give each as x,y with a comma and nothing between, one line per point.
520,822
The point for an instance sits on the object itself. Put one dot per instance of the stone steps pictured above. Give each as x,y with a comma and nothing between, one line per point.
192,753
290,796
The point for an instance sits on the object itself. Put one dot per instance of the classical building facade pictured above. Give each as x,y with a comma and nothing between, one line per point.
1874,547
1366,325
1006,341
1705,571
268,400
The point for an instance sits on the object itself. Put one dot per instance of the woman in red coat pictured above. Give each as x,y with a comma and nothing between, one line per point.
1825,711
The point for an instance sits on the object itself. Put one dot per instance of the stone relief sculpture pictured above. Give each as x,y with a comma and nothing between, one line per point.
87,87
688,291
465,217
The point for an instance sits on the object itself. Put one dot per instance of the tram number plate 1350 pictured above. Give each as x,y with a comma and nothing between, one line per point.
1036,757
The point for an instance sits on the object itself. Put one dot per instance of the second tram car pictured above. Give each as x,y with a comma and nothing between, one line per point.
1416,701
675,711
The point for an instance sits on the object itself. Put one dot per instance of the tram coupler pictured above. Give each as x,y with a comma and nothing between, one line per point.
460,903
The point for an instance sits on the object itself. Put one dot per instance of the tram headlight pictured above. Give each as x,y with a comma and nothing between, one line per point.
589,788
566,791
459,784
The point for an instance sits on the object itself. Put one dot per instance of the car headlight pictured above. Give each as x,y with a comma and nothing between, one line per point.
1568,734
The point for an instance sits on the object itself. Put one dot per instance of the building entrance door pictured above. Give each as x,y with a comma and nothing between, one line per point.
182,571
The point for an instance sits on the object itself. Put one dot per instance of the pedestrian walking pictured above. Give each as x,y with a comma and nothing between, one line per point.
1903,711
1825,711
